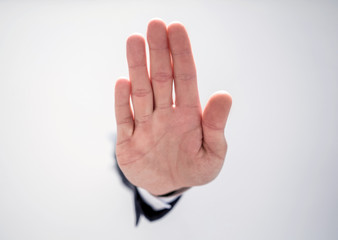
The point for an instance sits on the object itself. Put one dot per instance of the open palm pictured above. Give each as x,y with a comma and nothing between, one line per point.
164,145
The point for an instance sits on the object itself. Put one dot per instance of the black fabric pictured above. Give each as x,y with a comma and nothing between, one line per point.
141,207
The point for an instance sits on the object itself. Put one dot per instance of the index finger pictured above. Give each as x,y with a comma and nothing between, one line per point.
185,79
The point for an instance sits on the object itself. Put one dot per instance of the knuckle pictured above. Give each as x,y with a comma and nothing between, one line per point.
141,92
125,120
136,66
142,119
122,105
163,106
185,77
158,49
185,51
212,126
162,77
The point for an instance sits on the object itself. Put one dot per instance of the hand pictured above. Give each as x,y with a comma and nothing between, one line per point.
164,145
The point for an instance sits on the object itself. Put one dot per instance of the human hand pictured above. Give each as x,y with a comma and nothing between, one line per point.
163,147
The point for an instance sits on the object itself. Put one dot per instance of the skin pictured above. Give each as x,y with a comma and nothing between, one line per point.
165,144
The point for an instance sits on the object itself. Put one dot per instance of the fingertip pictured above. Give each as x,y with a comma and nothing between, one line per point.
136,52
135,39
122,89
156,22
121,82
176,27
157,34
174,24
155,18
217,109
223,97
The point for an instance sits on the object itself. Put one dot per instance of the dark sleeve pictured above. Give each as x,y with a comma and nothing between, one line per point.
141,207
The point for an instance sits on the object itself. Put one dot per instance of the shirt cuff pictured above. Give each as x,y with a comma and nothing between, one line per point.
156,203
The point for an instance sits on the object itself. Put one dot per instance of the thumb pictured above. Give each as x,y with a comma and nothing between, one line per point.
214,118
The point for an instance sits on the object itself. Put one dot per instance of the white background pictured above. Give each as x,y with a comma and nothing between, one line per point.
58,65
